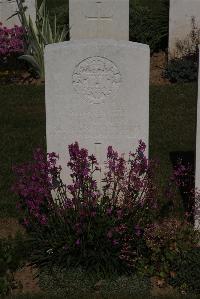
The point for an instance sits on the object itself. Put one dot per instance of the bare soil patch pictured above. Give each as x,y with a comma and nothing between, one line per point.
18,77
158,64
9,227
24,280
23,77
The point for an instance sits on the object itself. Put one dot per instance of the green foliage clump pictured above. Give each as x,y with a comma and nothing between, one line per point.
167,241
38,35
149,27
182,70
183,65
187,271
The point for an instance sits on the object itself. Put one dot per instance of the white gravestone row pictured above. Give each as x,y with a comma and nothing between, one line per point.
9,8
180,22
97,90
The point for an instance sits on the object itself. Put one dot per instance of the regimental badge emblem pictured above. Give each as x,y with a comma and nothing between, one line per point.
96,78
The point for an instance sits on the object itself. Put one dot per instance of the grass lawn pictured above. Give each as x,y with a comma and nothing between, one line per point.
22,129
172,121
98,297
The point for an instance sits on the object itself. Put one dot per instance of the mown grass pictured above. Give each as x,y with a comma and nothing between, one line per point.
172,122
22,129
42,296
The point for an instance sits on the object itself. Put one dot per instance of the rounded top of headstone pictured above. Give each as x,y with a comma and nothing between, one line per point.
98,42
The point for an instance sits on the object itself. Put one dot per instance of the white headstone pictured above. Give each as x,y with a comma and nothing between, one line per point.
9,7
99,19
180,26
197,172
97,93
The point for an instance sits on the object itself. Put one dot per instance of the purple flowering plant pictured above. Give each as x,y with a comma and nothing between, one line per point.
79,224
11,41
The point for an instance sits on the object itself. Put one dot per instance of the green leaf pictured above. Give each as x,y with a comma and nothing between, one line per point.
30,59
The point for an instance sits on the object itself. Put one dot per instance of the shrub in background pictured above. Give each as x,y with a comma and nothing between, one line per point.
187,270
167,241
182,70
184,67
62,14
149,27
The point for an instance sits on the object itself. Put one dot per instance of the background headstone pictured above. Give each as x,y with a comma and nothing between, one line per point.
8,8
180,16
99,19
97,93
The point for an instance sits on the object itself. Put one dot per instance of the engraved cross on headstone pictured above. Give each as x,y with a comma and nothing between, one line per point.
100,17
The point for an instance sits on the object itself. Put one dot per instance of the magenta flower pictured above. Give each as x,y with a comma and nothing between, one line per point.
78,242
11,41
115,242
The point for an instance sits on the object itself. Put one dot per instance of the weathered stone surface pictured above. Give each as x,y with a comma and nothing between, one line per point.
99,19
97,93
9,7
180,25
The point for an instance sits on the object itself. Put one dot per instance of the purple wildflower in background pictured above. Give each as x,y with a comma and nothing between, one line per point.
138,230
115,242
